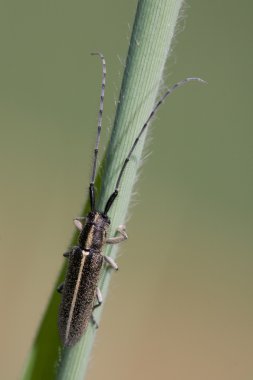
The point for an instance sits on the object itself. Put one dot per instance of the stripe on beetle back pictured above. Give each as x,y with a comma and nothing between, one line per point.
91,233
73,303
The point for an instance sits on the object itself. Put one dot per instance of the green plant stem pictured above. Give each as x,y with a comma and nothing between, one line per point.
153,29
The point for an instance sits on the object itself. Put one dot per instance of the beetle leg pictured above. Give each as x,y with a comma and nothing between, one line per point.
99,296
81,218
100,300
93,321
111,262
67,254
117,239
78,223
60,288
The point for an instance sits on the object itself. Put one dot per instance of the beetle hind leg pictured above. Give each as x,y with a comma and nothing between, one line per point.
99,298
94,322
100,301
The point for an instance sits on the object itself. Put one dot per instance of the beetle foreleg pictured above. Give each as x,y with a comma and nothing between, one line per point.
118,239
78,222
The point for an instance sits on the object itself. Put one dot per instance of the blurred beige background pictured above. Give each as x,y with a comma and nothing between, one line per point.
181,305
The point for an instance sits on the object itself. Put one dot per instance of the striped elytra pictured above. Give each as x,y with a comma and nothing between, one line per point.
79,292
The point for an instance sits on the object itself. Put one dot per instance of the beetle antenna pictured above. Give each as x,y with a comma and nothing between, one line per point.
167,93
100,113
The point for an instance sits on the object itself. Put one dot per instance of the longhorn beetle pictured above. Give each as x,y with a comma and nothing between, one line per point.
80,289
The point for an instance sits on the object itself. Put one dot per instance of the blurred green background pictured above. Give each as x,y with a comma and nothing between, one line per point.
181,305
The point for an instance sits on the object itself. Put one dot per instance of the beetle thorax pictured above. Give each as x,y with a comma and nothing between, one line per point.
93,234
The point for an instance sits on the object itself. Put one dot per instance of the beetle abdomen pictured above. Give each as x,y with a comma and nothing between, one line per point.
79,294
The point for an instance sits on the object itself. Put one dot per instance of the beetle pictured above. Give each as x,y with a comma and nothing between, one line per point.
80,289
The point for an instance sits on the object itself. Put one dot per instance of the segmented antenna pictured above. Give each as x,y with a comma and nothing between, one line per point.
100,113
167,93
